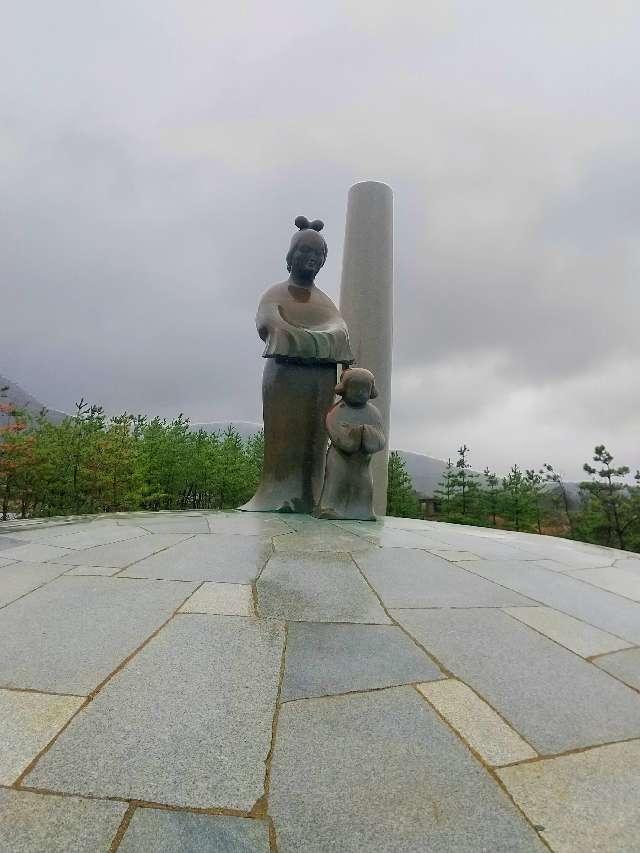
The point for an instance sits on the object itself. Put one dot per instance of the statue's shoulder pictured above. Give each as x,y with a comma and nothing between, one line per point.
278,292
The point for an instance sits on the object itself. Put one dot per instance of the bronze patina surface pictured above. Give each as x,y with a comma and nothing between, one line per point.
305,339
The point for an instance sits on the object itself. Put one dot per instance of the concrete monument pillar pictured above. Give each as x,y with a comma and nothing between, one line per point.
366,301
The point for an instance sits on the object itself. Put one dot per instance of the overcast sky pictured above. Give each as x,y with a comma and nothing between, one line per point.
153,156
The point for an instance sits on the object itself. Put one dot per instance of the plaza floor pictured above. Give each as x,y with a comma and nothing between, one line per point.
232,682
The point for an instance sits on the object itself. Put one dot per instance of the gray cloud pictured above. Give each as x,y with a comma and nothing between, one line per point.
153,156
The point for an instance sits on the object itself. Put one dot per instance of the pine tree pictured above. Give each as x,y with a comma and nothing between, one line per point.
444,492
535,485
464,505
401,498
516,499
609,508
491,495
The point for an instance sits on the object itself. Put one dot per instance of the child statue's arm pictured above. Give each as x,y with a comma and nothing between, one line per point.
345,436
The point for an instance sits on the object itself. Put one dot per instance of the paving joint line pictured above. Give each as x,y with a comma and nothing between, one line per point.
566,648
25,594
543,604
578,750
92,695
261,806
159,551
489,769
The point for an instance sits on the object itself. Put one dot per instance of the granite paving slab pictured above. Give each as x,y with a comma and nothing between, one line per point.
43,823
581,638
222,599
331,539
550,696
187,722
119,555
324,659
574,556
320,587
35,552
500,551
183,832
403,539
413,578
380,771
600,608
303,523
585,802
624,665
94,571
16,579
8,542
247,524
631,565
613,579
29,721
176,524
453,556
67,636
212,557
100,535
476,722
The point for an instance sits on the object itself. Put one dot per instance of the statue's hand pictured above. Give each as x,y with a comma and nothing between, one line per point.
373,439
346,437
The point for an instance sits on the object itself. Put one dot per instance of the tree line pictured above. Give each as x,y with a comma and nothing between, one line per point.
607,511
91,463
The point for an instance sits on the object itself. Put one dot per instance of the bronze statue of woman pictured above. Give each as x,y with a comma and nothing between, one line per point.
305,339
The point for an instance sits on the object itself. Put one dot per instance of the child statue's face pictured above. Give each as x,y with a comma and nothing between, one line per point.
357,391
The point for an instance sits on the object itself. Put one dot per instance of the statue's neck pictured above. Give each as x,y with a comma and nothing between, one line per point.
308,283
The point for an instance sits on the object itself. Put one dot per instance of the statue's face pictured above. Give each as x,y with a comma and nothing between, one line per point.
357,391
307,259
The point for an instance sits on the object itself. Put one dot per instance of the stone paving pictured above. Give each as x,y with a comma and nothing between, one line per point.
230,682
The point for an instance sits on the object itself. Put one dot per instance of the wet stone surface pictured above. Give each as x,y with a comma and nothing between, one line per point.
249,682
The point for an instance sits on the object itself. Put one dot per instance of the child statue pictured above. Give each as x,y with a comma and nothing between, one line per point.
355,428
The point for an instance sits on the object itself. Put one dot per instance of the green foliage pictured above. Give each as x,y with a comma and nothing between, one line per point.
459,491
611,510
90,463
539,501
401,498
490,496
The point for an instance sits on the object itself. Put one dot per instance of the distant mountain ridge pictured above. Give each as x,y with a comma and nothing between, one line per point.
23,400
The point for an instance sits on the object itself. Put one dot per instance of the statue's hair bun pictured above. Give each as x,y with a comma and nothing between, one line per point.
303,223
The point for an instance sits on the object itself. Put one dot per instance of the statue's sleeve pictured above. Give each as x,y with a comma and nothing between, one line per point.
280,337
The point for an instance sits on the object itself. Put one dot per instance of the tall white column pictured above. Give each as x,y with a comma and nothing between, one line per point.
366,300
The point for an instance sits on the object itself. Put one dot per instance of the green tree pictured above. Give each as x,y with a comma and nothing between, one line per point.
490,495
516,499
401,497
466,490
558,494
445,490
535,485
609,512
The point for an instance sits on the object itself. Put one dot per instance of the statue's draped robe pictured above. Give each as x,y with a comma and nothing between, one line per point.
305,338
